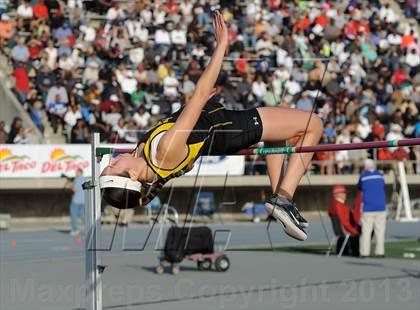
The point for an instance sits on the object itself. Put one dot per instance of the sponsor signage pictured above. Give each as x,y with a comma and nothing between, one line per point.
51,161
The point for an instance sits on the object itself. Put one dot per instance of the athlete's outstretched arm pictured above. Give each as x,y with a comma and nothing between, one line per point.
172,144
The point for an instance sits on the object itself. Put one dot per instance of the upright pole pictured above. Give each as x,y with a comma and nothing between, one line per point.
405,199
93,234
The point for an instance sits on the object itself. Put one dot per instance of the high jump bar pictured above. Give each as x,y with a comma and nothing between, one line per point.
296,149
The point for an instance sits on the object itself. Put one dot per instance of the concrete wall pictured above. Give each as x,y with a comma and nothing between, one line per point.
55,202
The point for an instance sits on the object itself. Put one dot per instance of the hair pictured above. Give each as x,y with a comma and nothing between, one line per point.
121,198
369,164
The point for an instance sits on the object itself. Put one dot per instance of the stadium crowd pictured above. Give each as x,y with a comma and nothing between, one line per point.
118,66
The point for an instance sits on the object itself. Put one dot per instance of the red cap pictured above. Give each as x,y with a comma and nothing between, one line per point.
339,189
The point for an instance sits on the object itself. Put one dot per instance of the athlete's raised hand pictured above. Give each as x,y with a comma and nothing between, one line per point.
220,29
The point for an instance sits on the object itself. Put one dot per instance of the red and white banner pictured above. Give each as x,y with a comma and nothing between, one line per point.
39,161
49,161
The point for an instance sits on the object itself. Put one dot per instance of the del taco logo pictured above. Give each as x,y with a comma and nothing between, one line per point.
10,162
60,161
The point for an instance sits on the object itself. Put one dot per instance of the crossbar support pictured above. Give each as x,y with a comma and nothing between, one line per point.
93,267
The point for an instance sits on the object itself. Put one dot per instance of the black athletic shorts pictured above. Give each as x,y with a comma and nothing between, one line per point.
223,132
232,130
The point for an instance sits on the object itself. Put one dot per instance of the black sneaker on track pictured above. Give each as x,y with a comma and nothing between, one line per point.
286,213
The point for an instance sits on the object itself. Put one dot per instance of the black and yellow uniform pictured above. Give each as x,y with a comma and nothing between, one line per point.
217,132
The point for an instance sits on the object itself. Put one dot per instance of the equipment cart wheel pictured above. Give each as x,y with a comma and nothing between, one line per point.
222,263
204,264
174,269
159,269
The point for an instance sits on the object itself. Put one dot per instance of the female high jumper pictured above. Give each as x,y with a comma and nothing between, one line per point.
204,127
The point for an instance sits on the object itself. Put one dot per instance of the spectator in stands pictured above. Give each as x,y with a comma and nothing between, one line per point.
25,14
162,40
142,118
4,6
128,85
394,134
57,90
80,132
56,111
136,54
170,84
7,28
178,40
20,52
372,186
112,117
70,118
259,88
14,129
348,219
3,133
305,102
37,115
22,82
77,205
21,137
40,10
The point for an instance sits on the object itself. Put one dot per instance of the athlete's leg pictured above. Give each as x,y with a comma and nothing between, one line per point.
274,164
280,124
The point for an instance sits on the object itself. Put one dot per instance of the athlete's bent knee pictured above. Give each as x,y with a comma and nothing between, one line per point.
316,124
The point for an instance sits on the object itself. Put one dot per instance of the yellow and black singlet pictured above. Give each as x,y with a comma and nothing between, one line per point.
217,132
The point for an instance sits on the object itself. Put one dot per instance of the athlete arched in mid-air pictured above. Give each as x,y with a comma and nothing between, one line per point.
204,127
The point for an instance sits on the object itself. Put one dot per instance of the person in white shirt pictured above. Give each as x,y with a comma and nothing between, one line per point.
186,10
21,137
282,73
129,83
412,59
146,16
91,73
280,56
77,59
24,13
179,36
115,12
394,134
259,88
162,37
131,132
71,117
89,32
387,14
264,46
159,15
136,54
198,51
179,41
342,157
112,117
292,87
394,38
120,128
75,4
142,34
66,63
142,118
52,53
170,84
